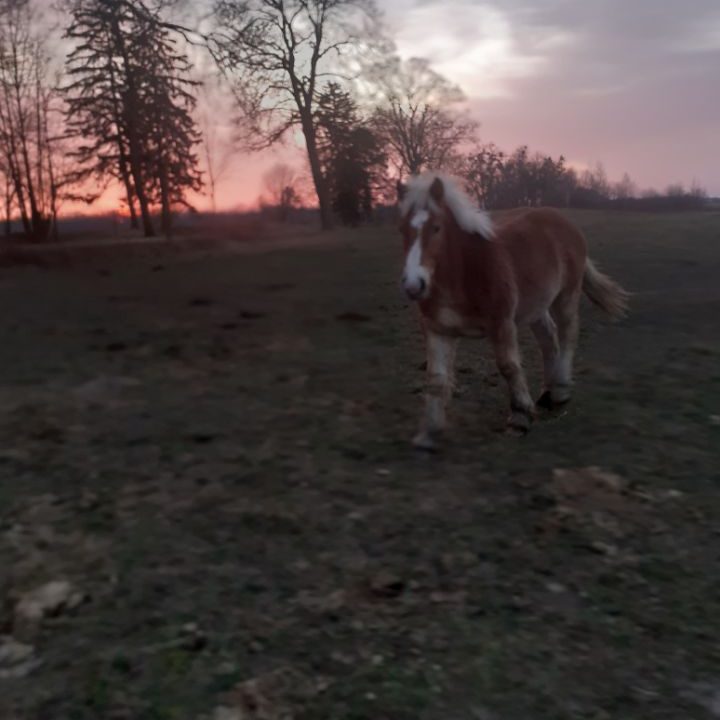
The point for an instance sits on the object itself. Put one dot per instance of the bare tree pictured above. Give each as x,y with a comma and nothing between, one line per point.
280,183
25,104
596,180
483,174
625,188
8,195
417,117
33,142
278,53
218,149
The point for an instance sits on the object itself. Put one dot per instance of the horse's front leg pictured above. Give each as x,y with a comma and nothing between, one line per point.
440,371
507,355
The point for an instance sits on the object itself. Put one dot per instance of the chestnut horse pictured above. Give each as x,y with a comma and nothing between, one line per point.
472,276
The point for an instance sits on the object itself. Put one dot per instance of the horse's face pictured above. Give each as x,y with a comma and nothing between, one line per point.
423,235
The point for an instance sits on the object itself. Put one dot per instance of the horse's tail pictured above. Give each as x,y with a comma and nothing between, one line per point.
604,291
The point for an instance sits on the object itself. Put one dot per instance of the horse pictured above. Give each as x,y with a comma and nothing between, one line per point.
472,275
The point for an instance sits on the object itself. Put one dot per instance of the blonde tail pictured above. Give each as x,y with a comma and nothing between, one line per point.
604,292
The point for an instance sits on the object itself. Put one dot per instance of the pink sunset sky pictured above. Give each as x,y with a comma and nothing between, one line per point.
630,83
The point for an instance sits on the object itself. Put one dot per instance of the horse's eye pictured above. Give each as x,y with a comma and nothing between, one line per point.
436,228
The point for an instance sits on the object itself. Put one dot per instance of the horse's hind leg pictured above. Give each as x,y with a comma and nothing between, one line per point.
440,369
546,335
565,312
507,355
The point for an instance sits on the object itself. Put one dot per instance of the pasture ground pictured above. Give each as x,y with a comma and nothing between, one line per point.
215,455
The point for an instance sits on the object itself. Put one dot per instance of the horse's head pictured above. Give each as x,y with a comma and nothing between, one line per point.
423,229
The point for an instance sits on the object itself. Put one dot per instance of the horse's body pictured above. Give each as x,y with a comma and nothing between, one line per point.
475,277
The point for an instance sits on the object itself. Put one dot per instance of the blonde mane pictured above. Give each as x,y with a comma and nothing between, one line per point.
470,218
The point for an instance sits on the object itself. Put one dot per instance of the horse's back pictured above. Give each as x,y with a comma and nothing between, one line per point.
547,252
540,231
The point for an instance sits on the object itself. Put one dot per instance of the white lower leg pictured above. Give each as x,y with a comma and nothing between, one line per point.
440,362
562,386
568,327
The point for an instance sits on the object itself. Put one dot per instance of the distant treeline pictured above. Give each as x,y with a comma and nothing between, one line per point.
499,181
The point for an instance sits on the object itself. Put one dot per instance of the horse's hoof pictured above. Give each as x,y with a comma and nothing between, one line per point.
550,401
545,401
519,422
517,431
426,442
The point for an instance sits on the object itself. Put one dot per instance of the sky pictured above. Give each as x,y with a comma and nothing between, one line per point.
631,83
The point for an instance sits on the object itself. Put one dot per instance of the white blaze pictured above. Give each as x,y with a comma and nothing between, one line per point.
415,273
419,219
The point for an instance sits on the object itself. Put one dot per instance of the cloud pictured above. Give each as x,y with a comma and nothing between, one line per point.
631,83
473,44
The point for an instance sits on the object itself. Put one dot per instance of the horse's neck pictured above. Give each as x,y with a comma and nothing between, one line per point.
470,259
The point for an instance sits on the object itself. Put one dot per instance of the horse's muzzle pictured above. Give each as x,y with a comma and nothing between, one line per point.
415,290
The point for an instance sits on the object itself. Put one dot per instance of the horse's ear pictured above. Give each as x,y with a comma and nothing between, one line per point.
437,191
401,190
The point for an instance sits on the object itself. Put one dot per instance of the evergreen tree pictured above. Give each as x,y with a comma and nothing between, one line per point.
129,101
351,156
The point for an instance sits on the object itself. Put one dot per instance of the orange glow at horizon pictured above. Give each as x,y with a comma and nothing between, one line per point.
239,189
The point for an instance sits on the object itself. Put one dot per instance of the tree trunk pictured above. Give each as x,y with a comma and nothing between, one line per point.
129,192
134,222
43,143
326,217
148,227
135,149
16,177
123,160
165,199
53,229
35,216
8,208
20,196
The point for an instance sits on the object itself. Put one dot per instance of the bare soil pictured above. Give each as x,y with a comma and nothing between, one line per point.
210,461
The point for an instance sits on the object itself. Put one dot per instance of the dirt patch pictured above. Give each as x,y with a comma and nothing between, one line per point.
234,496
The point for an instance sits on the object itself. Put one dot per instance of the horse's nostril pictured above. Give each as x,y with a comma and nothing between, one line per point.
423,285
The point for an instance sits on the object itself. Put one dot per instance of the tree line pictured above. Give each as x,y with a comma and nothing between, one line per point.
114,101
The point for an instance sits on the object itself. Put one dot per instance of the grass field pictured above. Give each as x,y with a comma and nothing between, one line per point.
215,455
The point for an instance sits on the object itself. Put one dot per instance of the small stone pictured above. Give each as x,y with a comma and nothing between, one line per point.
556,588
104,389
228,713
17,660
48,600
604,549
383,472
330,604
387,585
448,598
14,455
193,638
89,501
